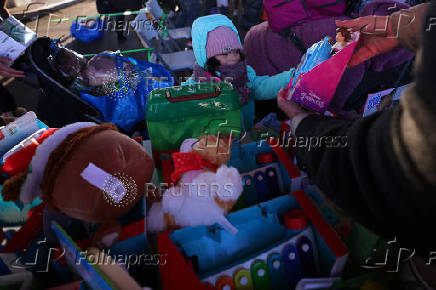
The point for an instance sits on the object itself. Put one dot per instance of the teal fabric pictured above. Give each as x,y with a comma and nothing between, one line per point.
263,87
266,87
15,214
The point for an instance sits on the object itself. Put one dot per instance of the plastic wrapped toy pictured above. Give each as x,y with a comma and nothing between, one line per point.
119,87
22,131
72,176
116,86
15,132
206,190
102,74
318,75
67,63
15,38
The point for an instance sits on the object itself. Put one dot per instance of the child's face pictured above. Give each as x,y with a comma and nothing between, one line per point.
230,58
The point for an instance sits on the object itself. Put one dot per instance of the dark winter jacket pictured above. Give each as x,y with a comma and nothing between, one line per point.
115,6
382,169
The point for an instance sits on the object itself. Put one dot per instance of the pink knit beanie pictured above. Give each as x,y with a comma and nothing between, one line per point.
221,40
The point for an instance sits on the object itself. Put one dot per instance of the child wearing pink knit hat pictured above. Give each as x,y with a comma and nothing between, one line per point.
219,54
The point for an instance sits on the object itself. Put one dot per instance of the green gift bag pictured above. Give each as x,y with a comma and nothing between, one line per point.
178,113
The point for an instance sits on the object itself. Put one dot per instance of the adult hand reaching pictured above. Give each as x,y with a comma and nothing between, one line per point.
290,108
6,71
377,36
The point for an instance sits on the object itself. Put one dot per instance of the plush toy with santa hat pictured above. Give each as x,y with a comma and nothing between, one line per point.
83,171
206,188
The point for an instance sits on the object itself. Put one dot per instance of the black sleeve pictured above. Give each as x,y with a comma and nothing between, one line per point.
354,164
384,176
3,11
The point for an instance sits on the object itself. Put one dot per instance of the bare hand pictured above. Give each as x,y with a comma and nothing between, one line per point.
290,108
376,36
6,71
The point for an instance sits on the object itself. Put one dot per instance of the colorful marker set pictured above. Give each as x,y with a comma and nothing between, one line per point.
280,267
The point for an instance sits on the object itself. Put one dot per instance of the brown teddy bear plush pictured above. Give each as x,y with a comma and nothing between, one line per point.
88,172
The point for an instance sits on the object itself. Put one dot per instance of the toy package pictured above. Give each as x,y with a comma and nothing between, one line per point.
116,86
273,244
383,100
17,131
15,37
204,184
29,241
319,73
